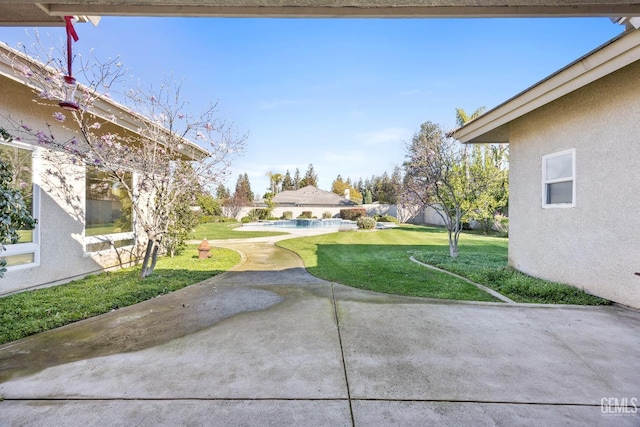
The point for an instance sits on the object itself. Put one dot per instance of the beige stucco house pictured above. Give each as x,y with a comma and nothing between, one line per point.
306,199
85,221
311,196
575,171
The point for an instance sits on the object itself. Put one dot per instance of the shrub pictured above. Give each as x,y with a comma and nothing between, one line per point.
246,219
326,215
208,205
258,214
353,213
501,224
206,219
386,218
287,215
366,223
306,214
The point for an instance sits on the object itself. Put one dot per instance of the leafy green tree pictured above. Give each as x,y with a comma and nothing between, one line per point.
271,205
182,217
275,179
436,176
462,117
14,213
339,186
208,204
486,160
385,189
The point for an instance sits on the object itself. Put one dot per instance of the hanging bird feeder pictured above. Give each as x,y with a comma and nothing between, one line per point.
70,85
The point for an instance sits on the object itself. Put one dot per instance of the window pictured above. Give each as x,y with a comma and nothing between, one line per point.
558,179
26,252
108,214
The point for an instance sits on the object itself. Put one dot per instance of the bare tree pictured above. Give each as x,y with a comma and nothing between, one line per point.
149,134
436,176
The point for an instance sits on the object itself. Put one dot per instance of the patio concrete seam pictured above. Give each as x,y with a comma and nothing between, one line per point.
291,399
477,285
344,365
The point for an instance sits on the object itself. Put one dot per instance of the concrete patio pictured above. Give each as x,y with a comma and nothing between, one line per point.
269,345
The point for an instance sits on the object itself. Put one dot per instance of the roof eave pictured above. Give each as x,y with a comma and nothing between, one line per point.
103,106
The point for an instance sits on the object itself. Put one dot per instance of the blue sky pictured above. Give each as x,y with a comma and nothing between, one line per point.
343,94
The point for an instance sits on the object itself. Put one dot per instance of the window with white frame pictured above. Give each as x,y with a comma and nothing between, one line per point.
558,179
108,211
21,157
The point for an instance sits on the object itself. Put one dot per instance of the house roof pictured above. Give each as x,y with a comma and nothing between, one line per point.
24,13
310,196
103,107
493,126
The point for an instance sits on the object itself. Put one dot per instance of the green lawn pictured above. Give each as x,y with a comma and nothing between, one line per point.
379,261
227,230
28,313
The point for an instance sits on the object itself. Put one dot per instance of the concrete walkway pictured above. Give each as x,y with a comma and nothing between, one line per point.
266,344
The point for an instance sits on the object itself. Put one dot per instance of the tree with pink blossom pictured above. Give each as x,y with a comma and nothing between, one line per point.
150,132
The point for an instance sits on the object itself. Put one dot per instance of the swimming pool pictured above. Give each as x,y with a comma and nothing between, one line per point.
308,223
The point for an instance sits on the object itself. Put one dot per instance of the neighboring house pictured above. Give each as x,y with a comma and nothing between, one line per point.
83,215
305,199
311,196
574,171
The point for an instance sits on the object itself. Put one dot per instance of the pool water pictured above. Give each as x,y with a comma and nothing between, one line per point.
309,223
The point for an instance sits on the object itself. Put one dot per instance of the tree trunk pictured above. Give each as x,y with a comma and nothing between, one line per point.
150,256
154,257
454,235
453,248
453,244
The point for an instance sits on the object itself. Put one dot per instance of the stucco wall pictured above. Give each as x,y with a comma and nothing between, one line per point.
62,202
596,244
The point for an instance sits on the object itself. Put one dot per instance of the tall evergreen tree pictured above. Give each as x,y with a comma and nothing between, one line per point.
222,193
310,177
367,197
296,180
287,182
243,191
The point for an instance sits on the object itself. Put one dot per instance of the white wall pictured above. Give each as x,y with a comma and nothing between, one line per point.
596,244
62,203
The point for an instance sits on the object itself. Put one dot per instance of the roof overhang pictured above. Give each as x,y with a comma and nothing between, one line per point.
493,126
27,13
103,107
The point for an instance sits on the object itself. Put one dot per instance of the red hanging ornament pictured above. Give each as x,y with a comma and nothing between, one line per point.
69,81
